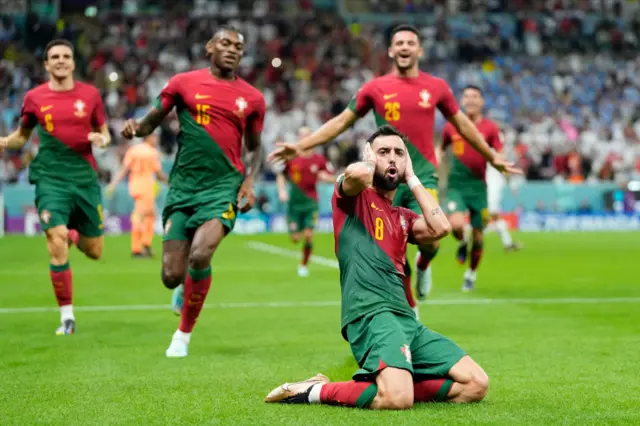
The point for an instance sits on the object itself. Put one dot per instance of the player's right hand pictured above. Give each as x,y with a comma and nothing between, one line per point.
285,152
130,129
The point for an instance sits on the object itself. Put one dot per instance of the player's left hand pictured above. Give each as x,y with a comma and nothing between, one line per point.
246,196
504,166
284,152
98,139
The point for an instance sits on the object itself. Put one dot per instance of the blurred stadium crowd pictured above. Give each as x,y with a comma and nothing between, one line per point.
561,77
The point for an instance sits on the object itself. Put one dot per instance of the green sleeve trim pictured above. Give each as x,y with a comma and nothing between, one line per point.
367,396
158,104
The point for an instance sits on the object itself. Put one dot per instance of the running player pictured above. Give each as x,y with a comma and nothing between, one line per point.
142,164
208,183
467,191
69,118
405,99
302,209
401,361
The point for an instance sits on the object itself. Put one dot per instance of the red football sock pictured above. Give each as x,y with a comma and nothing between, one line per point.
425,259
61,280
196,287
431,390
476,255
349,394
406,281
306,252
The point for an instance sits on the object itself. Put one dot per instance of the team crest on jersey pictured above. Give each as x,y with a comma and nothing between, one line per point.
425,98
314,168
403,223
242,104
406,352
45,216
79,107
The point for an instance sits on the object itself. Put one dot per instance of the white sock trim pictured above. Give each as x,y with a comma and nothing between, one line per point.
314,393
66,313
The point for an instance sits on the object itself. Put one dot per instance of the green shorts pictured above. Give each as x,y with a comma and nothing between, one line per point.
475,202
76,207
404,197
387,339
299,219
185,212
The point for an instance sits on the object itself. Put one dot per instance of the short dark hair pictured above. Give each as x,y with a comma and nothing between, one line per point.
404,27
54,43
473,87
385,130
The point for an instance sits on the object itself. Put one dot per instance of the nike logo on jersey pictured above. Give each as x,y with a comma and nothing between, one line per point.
391,96
373,206
46,108
199,96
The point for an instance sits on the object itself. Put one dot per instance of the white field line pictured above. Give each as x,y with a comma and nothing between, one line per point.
268,248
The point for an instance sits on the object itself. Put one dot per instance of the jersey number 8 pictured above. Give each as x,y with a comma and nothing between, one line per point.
379,231
48,123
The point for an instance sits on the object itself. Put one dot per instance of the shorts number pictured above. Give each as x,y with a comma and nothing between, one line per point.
203,118
458,147
392,111
379,231
229,214
48,122
100,215
433,193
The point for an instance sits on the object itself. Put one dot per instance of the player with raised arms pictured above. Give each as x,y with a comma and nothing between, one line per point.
69,118
401,361
208,183
303,172
405,99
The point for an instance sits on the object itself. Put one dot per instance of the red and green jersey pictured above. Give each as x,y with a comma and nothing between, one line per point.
370,242
214,115
409,105
63,121
468,165
303,174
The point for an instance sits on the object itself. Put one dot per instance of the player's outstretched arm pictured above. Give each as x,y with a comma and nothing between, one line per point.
328,132
16,139
281,183
359,176
470,133
145,126
433,225
326,177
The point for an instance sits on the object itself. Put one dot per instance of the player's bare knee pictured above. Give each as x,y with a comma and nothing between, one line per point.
172,278
200,256
395,400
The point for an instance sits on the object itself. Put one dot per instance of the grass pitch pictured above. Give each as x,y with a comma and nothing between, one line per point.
556,327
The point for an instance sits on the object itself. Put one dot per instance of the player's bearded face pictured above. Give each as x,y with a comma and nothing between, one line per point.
405,50
60,63
390,166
